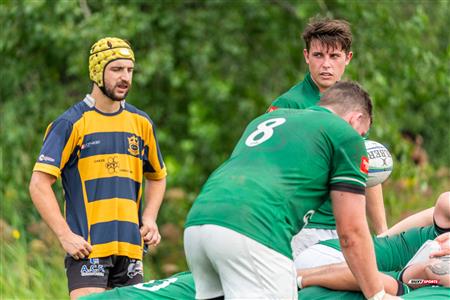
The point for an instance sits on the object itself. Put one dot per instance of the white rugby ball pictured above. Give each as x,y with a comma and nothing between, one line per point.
380,163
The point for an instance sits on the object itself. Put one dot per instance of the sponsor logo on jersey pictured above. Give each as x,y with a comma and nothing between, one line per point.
112,164
134,268
272,108
364,167
89,144
43,157
133,145
93,268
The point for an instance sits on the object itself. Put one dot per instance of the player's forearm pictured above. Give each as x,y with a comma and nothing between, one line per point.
375,208
423,218
339,277
335,277
356,243
358,251
154,194
44,200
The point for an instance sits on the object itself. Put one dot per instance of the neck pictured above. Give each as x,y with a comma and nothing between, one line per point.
321,89
104,103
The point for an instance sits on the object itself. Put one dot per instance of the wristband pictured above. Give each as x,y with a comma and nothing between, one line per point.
378,296
299,282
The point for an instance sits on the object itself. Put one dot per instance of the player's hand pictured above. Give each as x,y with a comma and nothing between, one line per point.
75,245
444,242
149,232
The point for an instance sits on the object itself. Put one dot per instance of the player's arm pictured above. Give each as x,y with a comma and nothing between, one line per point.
44,199
154,193
423,218
375,208
339,277
355,240
436,268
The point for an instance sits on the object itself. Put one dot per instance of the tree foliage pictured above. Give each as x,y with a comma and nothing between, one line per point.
204,70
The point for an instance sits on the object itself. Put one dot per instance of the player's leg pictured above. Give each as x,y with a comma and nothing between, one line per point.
75,294
316,256
442,213
86,276
248,269
206,278
435,271
308,237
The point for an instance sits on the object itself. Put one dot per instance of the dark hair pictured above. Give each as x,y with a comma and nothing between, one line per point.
346,96
335,34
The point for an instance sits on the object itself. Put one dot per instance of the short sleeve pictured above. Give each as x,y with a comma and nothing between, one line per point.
154,167
349,166
57,148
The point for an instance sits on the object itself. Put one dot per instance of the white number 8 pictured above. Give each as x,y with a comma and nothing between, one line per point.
266,129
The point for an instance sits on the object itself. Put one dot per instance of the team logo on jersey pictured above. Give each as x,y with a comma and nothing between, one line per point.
112,164
133,145
272,108
364,167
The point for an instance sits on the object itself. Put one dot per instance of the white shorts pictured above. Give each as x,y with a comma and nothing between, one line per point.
316,256
225,262
310,236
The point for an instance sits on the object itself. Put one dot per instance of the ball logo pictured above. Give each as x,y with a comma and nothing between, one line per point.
380,163
364,167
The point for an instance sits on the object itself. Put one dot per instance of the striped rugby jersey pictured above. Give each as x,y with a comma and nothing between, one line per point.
102,159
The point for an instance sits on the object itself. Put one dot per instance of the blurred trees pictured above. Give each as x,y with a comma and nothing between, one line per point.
204,70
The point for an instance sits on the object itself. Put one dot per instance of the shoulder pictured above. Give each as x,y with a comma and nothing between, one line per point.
138,113
73,114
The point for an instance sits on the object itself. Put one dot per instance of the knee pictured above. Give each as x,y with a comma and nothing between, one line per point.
438,269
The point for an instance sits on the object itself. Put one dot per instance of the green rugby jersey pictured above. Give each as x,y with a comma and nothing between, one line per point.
302,95
177,287
284,165
388,249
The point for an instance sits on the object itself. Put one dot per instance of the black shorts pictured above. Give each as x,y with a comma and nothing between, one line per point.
105,272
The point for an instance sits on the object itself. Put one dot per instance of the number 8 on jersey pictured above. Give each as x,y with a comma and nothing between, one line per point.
266,129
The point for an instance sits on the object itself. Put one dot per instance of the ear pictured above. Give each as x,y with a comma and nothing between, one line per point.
305,54
355,118
348,57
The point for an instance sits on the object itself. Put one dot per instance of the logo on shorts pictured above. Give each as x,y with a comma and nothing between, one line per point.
134,268
133,145
94,268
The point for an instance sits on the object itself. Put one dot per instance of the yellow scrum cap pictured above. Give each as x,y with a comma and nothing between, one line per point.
104,51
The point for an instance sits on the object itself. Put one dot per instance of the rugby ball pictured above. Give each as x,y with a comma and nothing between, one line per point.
380,163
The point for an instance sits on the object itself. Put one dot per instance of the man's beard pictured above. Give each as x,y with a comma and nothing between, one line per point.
110,94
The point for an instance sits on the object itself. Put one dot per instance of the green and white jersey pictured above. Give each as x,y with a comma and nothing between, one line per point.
176,287
302,95
284,165
388,249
